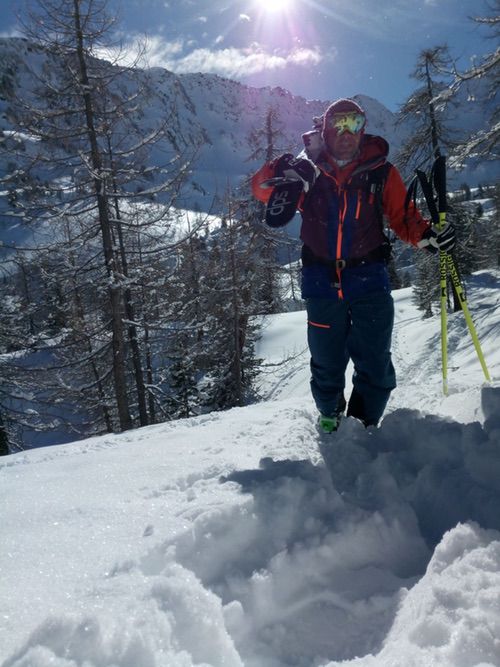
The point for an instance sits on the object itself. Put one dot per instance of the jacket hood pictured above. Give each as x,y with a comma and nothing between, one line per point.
372,147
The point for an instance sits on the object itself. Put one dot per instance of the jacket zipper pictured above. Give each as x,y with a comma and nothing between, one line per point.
358,206
338,255
343,212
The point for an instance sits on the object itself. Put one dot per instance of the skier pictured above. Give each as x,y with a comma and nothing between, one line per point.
346,186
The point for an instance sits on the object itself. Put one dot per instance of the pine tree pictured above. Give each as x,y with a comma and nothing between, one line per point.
429,120
426,283
4,440
494,233
189,337
267,142
87,178
230,294
183,398
465,221
486,233
430,116
483,144
466,191
70,115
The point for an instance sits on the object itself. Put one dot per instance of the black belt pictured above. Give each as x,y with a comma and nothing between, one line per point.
381,255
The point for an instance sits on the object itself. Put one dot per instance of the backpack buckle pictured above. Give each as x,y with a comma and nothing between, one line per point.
340,264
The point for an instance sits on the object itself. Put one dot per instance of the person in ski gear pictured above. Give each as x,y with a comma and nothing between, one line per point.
349,189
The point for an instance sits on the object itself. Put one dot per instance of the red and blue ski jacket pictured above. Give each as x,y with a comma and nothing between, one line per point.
345,248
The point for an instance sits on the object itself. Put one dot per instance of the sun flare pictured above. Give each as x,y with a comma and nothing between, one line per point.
274,6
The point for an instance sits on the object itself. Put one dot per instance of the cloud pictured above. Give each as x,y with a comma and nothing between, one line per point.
181,56
13,32
229,62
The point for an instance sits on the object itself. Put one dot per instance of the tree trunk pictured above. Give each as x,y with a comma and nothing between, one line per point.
238,319
114,289
80,323
129,309
4,442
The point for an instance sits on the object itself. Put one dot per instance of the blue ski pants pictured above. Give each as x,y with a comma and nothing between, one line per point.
359,329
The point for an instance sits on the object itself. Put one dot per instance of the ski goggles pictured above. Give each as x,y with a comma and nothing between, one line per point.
352,122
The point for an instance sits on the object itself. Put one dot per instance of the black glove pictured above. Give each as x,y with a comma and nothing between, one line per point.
441,239
296,169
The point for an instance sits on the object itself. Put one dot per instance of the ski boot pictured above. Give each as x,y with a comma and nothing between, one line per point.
330,424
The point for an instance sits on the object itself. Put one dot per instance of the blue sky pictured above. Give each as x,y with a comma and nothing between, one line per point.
320,49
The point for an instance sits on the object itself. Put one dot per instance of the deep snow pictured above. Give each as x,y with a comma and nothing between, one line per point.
222,540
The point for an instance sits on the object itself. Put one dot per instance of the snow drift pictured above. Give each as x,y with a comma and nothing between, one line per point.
246,539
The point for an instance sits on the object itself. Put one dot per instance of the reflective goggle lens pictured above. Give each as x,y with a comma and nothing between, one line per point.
347,122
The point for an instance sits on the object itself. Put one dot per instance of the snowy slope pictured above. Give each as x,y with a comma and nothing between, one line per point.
222,541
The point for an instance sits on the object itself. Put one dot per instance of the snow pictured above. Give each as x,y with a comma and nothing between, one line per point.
226,540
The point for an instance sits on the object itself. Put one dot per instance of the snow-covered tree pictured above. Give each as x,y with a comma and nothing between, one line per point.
231,297
81,179
483,144
267,141
429,112
428,119
426,283
496,227
4,439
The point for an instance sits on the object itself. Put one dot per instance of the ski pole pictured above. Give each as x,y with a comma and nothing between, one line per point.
452,269
447,266
438,217
439,173
444,320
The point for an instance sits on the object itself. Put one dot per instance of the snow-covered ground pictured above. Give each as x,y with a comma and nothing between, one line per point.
225,540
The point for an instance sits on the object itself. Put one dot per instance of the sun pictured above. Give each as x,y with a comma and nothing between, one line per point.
274,6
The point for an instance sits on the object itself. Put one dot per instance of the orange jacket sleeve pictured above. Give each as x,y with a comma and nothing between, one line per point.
408,224
264,193
264,173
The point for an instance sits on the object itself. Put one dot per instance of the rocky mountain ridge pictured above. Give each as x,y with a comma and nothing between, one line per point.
206,117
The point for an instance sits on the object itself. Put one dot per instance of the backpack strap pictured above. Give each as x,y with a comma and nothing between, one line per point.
411,196
377,184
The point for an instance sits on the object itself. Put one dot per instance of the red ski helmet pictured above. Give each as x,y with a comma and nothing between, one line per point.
344,115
